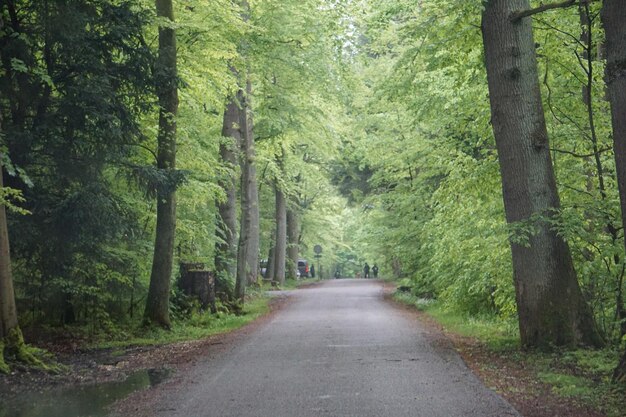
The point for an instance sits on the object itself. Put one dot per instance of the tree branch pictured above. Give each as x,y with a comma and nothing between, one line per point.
577,155
519,15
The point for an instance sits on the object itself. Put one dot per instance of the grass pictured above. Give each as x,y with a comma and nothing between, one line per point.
290,284
198,326
497,334
581,375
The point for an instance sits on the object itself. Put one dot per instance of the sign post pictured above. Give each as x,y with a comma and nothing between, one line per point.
318,255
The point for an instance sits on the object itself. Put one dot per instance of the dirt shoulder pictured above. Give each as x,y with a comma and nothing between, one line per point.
507,376
85,367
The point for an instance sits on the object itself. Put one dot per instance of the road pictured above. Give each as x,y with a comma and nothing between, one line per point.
338,349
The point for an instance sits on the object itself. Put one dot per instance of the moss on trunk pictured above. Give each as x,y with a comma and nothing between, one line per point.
4,368
14,346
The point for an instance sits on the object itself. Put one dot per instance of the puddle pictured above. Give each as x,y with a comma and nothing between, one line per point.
81,401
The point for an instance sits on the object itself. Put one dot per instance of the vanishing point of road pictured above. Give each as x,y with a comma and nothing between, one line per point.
337,349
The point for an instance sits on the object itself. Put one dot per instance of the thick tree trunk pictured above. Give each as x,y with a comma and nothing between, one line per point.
293,243
613,19
8,311
254,241
551,308
197,282
269,274
248,255
280,247
226,249
157,303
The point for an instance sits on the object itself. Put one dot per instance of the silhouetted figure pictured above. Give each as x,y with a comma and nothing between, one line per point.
366,271
312,271
337,273
375,271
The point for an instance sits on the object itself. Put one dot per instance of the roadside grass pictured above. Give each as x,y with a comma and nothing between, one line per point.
579,375
290,284
198,326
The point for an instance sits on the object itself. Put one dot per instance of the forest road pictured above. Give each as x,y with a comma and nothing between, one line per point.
338,349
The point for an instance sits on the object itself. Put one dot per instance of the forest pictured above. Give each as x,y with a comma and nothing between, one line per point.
474,150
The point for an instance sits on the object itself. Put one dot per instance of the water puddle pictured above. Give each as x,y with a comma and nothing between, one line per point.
81,401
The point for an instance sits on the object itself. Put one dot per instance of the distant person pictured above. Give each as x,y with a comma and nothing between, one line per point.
337,273
375,271
312,271
366,271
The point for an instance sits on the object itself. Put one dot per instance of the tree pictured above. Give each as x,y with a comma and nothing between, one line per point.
280,245
551,308
293,242
74,86
11,338
8,313
248,249
226,247
613,18
157,303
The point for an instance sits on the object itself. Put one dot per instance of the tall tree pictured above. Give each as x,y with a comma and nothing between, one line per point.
280,246
75,84
157,303
8,312
248,249
613,19
551,308
293,242
226,247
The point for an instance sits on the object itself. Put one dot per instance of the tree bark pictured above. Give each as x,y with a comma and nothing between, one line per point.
254,241
248,254
280,247
157,303
293,243
226,249
269,273
613,18
551,308
8,311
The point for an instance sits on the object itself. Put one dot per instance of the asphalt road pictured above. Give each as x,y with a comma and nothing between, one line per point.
337,349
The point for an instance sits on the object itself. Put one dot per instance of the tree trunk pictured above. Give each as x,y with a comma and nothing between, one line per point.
254,241
248,255
226,249
293,243
157,303
197,282
8,311
551,308
280,248
613,18
619,375
269,273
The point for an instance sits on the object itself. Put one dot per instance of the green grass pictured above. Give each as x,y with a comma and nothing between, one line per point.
497,334
198,326
568,385
582,375
290,284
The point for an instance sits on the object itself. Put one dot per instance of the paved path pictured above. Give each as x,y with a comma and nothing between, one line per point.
337,350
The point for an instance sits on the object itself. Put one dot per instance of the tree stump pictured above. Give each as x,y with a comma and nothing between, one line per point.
197,282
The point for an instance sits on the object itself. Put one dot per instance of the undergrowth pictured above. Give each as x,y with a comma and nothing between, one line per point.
199,325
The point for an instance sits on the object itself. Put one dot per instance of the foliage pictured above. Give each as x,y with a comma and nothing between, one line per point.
198,326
